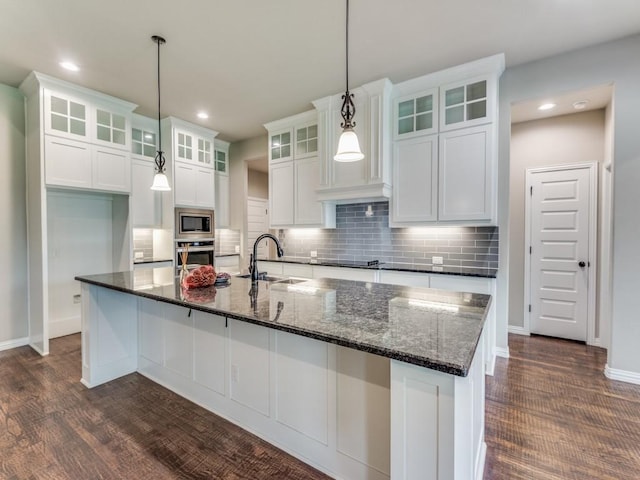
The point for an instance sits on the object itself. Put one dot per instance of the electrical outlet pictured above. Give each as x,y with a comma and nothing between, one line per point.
237,249
235,374
314,254
438,269
138,254
77,298
437,260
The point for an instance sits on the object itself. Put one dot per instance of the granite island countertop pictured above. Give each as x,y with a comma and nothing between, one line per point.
431,328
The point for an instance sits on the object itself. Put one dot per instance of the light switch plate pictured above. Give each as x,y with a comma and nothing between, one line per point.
139,254
237,248
437,260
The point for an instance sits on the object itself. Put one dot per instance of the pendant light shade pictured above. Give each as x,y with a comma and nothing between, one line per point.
348,145
160,180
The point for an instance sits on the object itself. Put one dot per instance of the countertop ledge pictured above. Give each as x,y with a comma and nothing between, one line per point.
400,267
430,328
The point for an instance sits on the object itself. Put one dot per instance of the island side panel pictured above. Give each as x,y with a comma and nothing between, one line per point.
437,422
109,335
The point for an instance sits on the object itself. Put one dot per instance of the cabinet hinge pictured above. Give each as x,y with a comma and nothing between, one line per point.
529,308
531,191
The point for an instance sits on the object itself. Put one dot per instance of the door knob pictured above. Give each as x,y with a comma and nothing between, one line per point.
582,264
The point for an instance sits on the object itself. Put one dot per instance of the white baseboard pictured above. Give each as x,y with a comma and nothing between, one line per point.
18,342
518,330
622,375
482,455
490,366
64,327
502,352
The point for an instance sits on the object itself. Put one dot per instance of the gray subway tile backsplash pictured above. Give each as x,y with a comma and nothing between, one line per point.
361,238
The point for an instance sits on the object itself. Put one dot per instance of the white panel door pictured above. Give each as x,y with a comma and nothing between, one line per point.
465,174
258,223
67,162
185,184
415,180
111,169
205,194
560,253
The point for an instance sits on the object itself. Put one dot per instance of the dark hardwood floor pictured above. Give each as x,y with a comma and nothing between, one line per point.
551,414
52,427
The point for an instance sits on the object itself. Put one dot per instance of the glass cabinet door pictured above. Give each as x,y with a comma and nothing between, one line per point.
185,146
465,104
204,151
220,161
67,116
416,115
111,127
143,143
306,141
280,146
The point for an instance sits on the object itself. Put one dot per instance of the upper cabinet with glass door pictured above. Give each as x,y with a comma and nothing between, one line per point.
221,157
111,128
416,114
468,103
66,116
306,140
280,145
194,148
144,137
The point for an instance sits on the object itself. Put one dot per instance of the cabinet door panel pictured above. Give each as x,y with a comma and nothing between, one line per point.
178,346
111,169
308,211
205,194
465,174
415,180
209,351
145,203
185,184
222,200
281,194
67,162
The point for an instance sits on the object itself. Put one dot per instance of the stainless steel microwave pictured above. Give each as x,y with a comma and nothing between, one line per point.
192,224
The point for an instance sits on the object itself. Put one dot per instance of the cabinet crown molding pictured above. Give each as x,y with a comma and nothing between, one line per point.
36,80
192,127
301,118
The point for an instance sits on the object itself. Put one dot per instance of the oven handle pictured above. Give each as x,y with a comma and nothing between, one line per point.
195,249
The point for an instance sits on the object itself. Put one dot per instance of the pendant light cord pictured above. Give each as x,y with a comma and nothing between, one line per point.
159,40
347,47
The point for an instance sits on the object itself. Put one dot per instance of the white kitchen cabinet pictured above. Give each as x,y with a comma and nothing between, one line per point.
194,186
416,114
281,194
111,169
468,103
66,115
342,273
190,154
146,206
369,178
221,167
466,175
228,263
408,279
415,175
67,162
295,174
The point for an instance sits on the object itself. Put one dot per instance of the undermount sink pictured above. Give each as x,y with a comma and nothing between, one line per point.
271,279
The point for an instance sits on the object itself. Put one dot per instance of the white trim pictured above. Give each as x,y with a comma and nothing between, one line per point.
502,352
64,327
593,241
17,342
621,375
518,330
482,456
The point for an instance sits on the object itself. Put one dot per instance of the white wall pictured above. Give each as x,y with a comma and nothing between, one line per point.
562,140
613,62
13,234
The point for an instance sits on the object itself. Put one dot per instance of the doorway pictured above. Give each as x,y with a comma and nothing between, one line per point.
257,224
561,265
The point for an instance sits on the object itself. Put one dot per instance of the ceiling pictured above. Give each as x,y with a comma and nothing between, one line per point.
253,61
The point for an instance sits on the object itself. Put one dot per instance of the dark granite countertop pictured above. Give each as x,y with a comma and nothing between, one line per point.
431,328
400,267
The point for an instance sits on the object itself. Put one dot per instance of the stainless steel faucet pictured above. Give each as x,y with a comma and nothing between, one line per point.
253,260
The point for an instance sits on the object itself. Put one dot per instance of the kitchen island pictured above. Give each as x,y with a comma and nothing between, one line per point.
361,380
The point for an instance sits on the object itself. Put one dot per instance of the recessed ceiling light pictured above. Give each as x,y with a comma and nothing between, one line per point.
70,66
546,106
580,105
203,115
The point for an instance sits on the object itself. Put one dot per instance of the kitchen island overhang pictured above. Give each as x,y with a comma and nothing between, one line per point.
244,356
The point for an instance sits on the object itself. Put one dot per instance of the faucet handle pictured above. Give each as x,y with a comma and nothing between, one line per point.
251,263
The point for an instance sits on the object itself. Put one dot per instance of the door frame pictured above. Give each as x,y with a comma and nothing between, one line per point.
593,247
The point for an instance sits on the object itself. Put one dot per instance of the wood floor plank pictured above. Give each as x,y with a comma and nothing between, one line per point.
552,414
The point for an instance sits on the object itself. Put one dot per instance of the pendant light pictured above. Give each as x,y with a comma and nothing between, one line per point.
160,181
348,145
